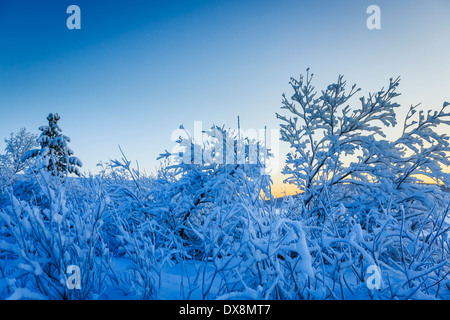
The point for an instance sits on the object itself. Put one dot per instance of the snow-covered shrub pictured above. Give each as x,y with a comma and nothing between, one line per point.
411,256
204,176
141,241
39,244
6,173
127,190
255,252
145,256
363,202
17,145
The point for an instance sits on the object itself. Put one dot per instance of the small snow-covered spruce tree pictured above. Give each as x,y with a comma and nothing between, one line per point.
327,135
54,154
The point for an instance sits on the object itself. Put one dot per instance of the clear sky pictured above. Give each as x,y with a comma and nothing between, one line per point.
138,69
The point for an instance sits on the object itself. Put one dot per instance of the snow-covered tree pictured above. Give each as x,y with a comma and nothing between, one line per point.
209,173
17,145
54,154
364,203
335,146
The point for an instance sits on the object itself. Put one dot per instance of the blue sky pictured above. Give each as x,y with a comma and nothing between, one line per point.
138,69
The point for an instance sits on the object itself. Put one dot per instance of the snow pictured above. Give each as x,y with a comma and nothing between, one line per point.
201,229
